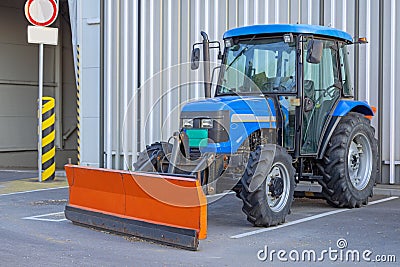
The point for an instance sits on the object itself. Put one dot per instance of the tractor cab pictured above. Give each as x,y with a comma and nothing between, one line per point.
302,68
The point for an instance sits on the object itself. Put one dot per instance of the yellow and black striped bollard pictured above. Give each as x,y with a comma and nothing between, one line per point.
48,137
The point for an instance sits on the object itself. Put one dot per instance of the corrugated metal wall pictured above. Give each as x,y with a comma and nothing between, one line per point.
145,37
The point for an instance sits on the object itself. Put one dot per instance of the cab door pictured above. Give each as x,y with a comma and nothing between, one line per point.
321,90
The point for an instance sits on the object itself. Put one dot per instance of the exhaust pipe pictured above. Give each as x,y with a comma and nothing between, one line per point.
206,59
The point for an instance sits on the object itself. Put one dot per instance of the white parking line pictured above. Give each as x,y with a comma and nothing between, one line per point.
318,216
33,191
41,217
219,195
382,200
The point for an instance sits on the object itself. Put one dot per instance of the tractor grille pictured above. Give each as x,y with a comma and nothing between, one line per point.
195,153
217,133
221,122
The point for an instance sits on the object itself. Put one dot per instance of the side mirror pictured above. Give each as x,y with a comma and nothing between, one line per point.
314,51
195,59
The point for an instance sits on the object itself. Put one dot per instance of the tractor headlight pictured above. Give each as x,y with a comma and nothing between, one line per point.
288,38
229,43
206,123
187,123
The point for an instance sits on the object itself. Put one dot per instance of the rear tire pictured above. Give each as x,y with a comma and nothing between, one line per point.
160,150
269,204
350,163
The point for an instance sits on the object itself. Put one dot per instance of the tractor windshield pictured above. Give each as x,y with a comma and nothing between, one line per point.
265,65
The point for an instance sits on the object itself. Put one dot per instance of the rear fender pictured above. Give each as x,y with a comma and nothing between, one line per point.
327,136
345,106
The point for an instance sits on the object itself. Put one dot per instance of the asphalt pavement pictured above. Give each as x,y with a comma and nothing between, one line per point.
34,232
11,175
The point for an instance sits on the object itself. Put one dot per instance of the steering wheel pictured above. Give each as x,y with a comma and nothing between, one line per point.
269,87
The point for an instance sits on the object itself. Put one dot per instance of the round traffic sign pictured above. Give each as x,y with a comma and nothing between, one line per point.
41,12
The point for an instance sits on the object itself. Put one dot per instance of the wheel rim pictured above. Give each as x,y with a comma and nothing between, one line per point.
277,198
359,161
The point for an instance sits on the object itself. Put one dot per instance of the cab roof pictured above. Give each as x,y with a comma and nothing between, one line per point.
269,29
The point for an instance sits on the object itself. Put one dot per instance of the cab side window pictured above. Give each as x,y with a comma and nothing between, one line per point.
344,68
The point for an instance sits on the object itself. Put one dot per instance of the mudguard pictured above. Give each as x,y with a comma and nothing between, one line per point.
346,106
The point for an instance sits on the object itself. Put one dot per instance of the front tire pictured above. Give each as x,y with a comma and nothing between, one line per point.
269,204
350,163
158,153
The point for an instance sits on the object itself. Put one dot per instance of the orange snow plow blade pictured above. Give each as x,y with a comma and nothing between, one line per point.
166,209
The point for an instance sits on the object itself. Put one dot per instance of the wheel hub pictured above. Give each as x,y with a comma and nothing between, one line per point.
355,161
276,187
359,161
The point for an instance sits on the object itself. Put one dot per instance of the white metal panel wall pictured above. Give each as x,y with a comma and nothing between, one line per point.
121,78
166,29
391,79
88,39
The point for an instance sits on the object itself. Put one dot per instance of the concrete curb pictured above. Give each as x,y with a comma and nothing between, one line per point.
380,189
61,174
387,192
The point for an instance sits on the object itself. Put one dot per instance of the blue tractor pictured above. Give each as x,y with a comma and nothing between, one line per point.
283,113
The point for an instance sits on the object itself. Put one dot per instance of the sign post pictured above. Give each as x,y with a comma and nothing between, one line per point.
40,111
41,13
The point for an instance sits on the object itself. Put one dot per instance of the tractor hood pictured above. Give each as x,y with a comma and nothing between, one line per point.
257,106
235,119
